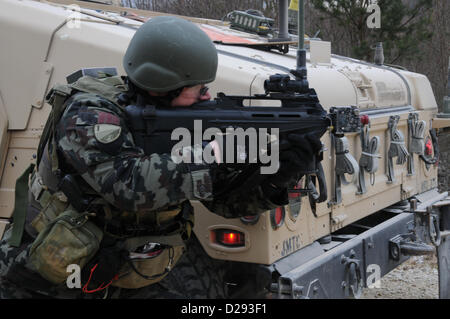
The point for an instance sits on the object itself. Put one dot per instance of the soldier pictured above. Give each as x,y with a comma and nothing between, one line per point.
98,202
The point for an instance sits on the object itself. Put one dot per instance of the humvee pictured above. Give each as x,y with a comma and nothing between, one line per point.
383,205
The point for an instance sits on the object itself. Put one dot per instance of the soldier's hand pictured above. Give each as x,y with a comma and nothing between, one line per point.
306,148
297,157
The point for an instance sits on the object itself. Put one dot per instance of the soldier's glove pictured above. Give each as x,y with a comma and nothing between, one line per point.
297,157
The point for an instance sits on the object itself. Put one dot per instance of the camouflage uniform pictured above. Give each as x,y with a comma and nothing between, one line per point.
128,179
119,170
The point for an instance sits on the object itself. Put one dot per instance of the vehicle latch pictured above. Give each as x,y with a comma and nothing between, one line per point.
353,283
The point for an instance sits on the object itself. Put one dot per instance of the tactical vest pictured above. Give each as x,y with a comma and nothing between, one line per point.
66,235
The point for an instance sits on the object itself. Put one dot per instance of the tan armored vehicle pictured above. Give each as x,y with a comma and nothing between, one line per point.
382,205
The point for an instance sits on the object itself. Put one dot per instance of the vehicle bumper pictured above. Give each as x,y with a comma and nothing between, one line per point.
344,270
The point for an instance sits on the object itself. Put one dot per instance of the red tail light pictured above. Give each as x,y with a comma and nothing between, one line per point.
229,238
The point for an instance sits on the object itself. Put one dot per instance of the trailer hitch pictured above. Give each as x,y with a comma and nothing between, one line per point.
407,245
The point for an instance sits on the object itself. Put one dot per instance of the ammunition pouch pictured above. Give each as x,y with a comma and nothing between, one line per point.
133,263
146,268
151,258
68,239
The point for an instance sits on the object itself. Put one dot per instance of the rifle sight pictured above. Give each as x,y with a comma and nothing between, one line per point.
284,84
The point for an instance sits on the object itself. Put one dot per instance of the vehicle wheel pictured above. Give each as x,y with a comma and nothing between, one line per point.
196,275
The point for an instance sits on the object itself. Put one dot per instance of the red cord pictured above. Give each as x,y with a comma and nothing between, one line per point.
101,287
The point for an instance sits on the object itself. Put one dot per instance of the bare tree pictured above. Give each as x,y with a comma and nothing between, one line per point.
217,9
434,63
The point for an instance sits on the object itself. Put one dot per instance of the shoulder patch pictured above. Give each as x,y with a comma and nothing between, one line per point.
107,133
108,118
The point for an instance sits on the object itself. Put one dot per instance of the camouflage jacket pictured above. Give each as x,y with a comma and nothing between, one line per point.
113,166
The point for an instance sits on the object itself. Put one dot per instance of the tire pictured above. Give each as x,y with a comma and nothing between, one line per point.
196,275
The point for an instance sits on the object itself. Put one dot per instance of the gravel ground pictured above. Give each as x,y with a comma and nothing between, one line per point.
416,278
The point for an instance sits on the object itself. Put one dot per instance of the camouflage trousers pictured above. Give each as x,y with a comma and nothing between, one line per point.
10,256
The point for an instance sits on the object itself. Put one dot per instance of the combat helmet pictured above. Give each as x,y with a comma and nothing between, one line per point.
167,53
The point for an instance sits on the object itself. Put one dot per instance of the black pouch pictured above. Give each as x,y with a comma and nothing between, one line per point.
104,266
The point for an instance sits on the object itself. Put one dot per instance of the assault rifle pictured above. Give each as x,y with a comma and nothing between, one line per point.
300,113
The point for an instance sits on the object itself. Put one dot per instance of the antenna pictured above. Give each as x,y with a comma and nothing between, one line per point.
283,83
300,72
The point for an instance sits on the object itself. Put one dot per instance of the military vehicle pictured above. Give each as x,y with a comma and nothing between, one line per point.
382,206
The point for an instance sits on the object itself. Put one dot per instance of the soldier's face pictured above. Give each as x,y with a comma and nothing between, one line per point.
191,95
